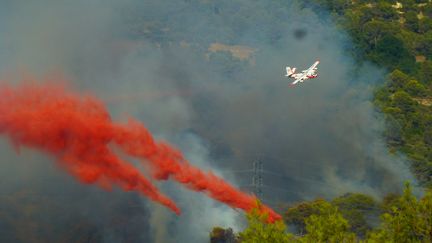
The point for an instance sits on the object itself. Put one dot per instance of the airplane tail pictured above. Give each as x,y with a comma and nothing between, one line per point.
290,71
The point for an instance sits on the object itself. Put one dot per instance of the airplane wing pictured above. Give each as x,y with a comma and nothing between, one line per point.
312,68
314,65
295,81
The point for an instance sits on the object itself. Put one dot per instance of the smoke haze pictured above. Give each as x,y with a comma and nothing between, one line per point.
223,107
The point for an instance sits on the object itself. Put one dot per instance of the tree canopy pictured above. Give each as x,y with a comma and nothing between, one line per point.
403,218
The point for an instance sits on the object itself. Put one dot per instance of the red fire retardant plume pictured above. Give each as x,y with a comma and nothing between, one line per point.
78,131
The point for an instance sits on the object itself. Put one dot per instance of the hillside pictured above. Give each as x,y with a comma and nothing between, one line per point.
398,37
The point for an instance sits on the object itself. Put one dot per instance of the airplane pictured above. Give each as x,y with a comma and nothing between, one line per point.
305,74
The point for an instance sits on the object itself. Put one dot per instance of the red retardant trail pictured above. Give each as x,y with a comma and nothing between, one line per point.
79,133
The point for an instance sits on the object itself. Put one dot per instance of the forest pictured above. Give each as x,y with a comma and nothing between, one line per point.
349,218
397,36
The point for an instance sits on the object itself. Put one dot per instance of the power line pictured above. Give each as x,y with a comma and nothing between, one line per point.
262,171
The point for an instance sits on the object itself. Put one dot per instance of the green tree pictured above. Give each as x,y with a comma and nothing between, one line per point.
408,221
427,10
221,235
427,137
403,101
259,230
425,208
385,11
381,97
397,79
414,88
298,213
356,207
392,53
390,201
375,30
425,74
425,25
337,6
411,21
408,5
424,46
328,226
